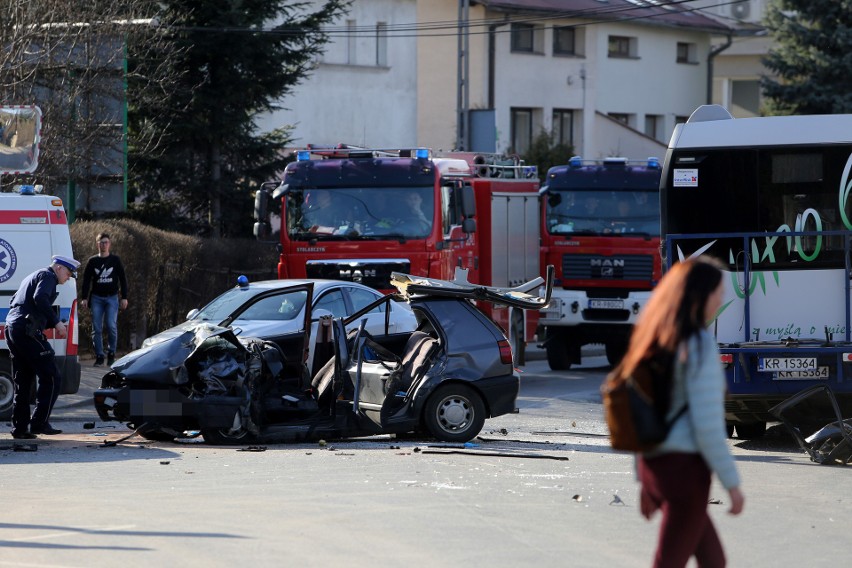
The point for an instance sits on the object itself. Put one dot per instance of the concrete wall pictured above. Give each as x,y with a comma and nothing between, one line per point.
349,98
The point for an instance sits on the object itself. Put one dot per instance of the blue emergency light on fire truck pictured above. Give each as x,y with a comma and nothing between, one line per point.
364,213
769,197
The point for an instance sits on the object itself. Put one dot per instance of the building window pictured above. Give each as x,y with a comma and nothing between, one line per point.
350,42
563,127
745,98
622,46
686,53
382,44
564,39
527,38
654,126
521,129
622,117
681,119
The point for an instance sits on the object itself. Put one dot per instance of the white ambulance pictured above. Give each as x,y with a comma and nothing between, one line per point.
33,228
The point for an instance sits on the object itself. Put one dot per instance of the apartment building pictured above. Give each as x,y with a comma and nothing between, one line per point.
609,77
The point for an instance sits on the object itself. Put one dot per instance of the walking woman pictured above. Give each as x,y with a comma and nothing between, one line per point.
676,475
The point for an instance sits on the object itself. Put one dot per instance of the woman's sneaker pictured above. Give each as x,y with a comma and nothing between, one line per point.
110,358
99,362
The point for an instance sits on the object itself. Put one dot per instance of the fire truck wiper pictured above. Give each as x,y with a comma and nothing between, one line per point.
399,236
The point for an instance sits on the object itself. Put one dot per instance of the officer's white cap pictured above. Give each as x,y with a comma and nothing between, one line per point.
68,262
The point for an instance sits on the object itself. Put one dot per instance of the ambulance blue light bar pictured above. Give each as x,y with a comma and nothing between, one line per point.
654,162
303,156
421,153
575,161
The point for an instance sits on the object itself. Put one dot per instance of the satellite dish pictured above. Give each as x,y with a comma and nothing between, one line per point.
741,10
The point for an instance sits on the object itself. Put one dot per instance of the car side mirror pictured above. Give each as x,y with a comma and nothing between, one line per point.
320,313
192,313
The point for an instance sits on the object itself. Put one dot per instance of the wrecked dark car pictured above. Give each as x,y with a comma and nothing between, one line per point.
442,380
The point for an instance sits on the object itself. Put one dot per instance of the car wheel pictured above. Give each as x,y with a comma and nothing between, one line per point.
226,437
557,352
750,430
155,434
454,413
7,389
615,351
517,338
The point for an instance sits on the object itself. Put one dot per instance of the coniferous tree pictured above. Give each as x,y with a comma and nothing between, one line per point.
812,59
237,59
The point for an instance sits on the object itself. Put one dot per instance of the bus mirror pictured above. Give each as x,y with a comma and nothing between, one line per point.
554,199
262,231
261,205
468,201
469,226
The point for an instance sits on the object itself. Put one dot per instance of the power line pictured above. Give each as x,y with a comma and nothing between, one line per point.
452,27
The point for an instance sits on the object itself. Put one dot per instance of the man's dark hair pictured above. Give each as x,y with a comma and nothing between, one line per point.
102,236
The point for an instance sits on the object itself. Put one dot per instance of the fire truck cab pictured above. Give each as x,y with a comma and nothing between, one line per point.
360,214
601,230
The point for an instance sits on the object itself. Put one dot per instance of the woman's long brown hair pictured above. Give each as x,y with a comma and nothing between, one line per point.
675,311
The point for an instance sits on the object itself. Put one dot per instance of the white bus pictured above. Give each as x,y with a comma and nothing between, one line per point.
768,196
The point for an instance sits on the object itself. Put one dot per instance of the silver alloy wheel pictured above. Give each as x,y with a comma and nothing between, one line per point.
454,413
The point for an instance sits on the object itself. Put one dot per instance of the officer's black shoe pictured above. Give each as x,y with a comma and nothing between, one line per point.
46,429
23,435
110,358
99,362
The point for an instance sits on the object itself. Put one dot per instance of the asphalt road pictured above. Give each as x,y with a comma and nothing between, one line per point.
541,488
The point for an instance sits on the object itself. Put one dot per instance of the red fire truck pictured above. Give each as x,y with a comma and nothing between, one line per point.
360,214
601,230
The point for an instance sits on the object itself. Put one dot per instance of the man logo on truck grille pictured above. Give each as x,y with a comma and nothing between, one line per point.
607,268
8,261
357,275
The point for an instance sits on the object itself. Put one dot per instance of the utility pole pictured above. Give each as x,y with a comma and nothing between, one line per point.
463,89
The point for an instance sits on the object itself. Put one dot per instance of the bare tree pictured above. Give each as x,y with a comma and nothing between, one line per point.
70,57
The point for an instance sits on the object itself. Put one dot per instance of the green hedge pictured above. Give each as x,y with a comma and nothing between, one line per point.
168,274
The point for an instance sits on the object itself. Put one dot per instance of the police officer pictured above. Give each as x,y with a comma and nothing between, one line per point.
30,315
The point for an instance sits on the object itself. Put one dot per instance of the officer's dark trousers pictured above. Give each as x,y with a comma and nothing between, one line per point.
31,357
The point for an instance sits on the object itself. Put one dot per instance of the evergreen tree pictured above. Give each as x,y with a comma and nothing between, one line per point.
812,58
236,59
545,152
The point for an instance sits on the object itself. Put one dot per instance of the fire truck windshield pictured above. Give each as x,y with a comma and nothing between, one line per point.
603,212
360,213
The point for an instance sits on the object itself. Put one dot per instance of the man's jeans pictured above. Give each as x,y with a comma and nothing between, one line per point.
104,306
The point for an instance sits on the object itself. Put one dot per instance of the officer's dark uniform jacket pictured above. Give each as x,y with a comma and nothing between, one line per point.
32,356
33,302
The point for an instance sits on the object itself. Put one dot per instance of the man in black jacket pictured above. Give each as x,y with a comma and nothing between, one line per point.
105,288
31,313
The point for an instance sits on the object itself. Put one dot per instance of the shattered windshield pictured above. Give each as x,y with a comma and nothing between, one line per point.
278,307
365,213
603,212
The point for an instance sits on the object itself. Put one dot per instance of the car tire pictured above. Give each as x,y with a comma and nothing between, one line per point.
224,436
751,430
7,389
454,413
558,357
517,338
615,351
155,434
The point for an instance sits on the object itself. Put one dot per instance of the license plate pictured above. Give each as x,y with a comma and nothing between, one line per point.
606,304
769,364
818,373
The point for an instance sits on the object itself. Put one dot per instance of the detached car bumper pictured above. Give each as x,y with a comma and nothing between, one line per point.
166,407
